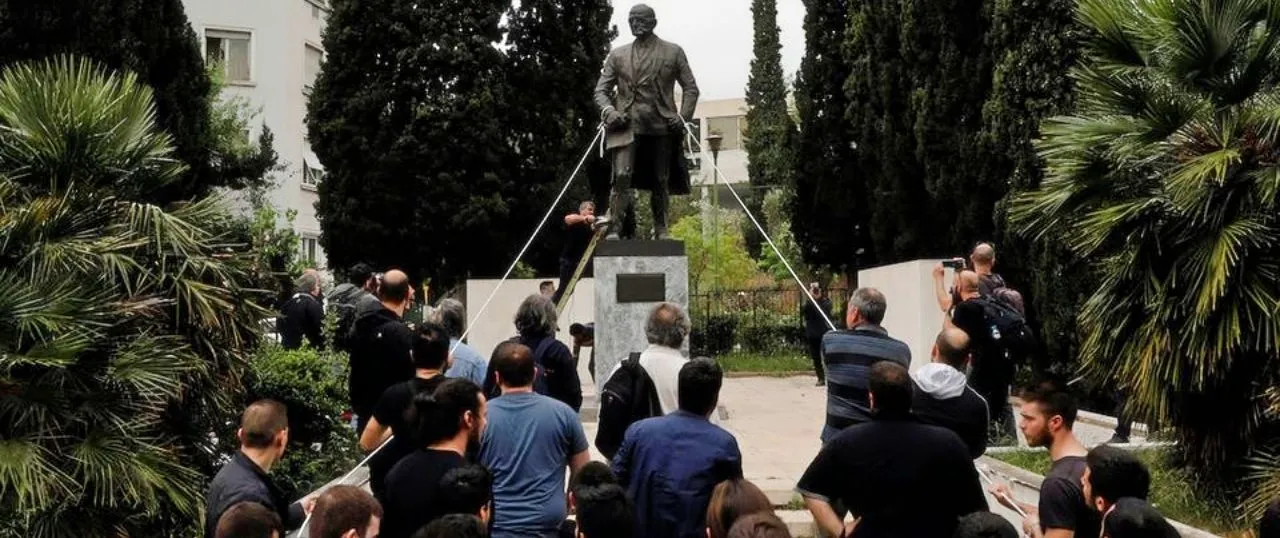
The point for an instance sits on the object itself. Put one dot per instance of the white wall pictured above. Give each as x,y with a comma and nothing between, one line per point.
281,29
496,323
912,314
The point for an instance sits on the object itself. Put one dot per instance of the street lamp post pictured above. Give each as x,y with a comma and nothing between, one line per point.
714,140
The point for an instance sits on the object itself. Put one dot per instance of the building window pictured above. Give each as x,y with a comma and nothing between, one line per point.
308,250
312,170
313,57
231,51
729,129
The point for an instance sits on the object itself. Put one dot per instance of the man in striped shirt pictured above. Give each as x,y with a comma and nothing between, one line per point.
849,356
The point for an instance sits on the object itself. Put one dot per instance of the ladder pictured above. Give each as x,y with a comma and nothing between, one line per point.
577,273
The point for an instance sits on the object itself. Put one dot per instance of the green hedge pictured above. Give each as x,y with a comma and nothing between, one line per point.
313,386
720,334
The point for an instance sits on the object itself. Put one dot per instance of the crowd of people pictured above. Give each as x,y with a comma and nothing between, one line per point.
466,447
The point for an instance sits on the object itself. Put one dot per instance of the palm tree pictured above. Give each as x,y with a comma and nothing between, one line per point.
1167,178
123,326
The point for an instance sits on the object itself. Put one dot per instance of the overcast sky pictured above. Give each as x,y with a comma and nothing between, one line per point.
716,35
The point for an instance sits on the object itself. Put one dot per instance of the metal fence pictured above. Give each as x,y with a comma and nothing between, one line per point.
752,321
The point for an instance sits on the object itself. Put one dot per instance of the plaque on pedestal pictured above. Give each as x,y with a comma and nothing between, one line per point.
631,278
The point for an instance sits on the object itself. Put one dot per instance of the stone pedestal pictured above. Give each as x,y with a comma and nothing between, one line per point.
631,278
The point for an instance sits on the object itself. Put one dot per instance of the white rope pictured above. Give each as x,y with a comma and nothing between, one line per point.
343,481
982,472
714,166
550,210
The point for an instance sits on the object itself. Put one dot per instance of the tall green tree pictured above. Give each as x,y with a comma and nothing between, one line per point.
153,39
1165,177
124,326
409,116
770,140
831,206
555,52
1033,45
919,80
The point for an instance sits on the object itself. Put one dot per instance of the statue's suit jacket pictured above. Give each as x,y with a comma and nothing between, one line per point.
620,75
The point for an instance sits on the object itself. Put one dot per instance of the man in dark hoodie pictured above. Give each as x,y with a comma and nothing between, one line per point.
380,356
942,396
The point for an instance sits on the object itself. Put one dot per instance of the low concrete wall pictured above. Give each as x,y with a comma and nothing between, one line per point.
1026,488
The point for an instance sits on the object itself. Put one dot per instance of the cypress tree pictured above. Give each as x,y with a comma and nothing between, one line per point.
1034,45
556,50
770,131
407,114
153,39
831,206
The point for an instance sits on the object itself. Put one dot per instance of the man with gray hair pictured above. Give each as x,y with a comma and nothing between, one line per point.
850,354
464,361
666,330
557,372
302,315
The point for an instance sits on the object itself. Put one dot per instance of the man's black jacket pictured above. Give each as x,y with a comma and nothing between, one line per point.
380,358
241,480
301,316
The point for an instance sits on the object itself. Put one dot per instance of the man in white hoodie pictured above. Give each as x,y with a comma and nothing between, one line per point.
943,398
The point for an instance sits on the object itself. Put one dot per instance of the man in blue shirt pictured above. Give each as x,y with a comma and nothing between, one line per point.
466,361
529,440
671,464
849,356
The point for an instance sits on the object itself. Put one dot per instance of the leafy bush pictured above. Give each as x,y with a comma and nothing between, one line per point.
312,385
715,337
772,338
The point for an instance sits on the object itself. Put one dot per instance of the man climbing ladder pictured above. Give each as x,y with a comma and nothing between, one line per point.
578,235
569,281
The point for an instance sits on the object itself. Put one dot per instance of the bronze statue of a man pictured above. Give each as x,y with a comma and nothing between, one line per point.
645,131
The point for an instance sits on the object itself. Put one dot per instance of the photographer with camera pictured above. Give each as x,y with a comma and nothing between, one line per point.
998,333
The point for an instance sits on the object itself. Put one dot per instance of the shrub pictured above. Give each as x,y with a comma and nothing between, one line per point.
715,337
312,385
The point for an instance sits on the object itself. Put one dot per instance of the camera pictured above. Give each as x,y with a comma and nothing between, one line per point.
955,264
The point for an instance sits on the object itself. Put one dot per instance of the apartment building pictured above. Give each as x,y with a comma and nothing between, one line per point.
271,52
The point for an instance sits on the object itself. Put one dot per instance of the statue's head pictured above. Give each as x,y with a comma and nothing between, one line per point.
642,20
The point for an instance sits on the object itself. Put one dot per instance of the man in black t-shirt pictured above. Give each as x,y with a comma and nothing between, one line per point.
1048,413
992,371
445,423
430,356
900,477
578,230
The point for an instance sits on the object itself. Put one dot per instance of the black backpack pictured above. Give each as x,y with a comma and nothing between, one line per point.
628,397
1008,327
492,390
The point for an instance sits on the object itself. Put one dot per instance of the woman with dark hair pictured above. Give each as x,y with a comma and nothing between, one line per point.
731,500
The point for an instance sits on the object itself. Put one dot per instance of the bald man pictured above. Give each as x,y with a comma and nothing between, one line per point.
983,261
380,354
942,396
991,371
